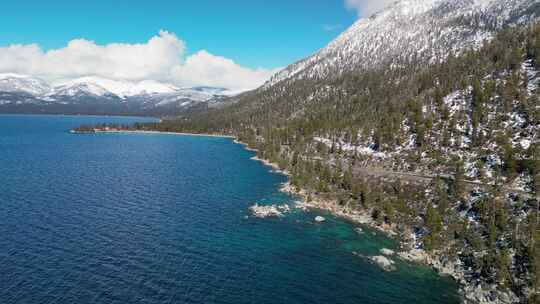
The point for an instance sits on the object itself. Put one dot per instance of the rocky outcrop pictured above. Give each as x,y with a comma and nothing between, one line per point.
387,252
260,211
384,262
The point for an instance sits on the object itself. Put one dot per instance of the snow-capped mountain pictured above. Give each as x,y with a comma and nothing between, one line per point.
102,94
16,83
78,89
122,89
411,31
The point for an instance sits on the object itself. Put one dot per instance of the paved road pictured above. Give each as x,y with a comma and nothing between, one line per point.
424,178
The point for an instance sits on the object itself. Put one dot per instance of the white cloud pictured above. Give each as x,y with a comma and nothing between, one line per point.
162,58
366,8
203,67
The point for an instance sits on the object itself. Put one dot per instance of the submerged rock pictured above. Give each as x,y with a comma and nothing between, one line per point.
359,230
320,219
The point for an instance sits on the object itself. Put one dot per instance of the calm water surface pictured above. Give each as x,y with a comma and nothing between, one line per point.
128,218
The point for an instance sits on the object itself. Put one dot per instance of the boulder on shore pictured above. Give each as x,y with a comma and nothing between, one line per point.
414,255
387,252
384,262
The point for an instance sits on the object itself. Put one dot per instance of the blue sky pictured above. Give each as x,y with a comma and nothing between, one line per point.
253,33
234,44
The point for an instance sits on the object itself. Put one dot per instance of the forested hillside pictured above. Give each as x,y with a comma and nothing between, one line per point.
446,154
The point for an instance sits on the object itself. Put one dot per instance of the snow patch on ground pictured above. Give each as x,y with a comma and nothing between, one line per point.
363,150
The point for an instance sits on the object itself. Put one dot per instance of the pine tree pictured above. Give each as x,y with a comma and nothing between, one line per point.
433,222
458,185
348,179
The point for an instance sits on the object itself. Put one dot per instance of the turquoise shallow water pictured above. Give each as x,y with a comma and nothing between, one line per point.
130,218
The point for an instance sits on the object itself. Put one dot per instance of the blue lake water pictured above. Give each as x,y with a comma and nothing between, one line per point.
131,218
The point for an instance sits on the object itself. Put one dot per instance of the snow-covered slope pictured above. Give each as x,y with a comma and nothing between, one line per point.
16,83
186,95
77,89
122,89
412,31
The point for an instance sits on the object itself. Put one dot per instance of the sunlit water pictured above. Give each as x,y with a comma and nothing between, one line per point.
130,218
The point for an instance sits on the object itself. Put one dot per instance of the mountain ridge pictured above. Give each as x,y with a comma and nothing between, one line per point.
410,31
24,93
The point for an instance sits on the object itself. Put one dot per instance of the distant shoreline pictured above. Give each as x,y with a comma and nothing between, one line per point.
134,116
151,132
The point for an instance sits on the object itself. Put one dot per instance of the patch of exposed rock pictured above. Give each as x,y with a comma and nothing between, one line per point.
387,252
384,262
269,211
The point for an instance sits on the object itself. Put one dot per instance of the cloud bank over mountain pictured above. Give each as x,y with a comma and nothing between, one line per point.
162,58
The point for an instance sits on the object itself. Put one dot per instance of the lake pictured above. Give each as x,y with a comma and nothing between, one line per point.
146,218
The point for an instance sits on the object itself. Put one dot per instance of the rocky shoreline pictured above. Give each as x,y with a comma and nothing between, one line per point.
470,293
94,131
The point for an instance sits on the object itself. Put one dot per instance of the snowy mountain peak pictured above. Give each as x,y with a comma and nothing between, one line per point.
412,31
16,83
410,7
76,89
151,87
122,89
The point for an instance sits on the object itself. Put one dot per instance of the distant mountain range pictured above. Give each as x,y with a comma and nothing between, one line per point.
95,95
